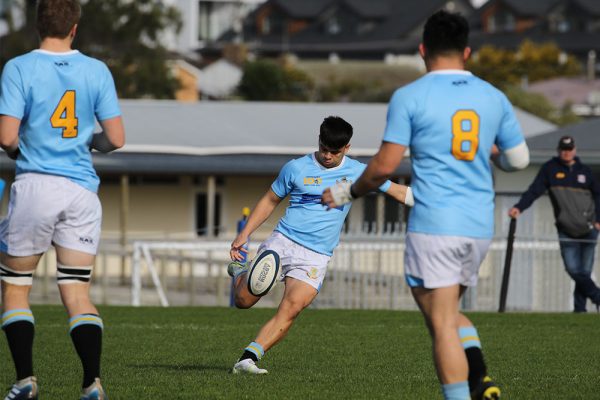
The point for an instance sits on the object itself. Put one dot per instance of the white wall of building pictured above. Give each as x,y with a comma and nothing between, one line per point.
206,19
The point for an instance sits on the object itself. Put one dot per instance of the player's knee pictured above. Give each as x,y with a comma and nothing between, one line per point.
442,323
292,308
16,278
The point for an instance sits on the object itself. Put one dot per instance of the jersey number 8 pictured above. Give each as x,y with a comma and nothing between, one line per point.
64,115
465,140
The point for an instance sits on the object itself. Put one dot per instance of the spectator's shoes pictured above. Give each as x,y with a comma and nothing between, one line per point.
24,389
94,392
487,390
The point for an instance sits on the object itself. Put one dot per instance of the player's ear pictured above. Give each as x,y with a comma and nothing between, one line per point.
73,31
347,148
466,53
422,51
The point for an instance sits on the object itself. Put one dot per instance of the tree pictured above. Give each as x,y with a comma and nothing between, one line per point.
531,61
124,34
268,81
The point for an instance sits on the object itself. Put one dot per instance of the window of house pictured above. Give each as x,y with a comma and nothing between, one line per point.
201,209
332,26
266,26
204,29
491,24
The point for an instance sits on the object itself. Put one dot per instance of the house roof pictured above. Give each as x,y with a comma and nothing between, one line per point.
591,6
302,8
242,137
526,8
389,34
560,91
371,8
586,138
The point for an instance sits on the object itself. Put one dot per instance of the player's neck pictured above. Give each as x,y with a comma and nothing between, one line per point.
56,45
441,63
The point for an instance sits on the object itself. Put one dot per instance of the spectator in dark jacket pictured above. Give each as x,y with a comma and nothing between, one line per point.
575,197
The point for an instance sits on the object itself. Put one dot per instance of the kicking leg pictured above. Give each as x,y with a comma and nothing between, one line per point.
297,296
241,295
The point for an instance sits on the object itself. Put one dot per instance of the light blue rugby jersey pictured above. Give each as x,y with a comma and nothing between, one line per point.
57,97
306,220
450,119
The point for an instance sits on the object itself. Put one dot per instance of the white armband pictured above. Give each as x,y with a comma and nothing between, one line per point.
409,199
513,159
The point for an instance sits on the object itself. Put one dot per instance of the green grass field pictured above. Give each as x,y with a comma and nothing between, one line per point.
186,353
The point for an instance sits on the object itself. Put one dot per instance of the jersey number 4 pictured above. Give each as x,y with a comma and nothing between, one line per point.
465,135
64,115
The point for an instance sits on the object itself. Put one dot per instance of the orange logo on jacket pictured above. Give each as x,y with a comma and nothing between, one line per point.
560,175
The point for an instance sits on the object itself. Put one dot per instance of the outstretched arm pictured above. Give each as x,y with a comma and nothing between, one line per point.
380,168
401,193
263,210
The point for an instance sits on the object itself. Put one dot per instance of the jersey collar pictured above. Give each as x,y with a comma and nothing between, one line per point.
53,53
318,164
450,72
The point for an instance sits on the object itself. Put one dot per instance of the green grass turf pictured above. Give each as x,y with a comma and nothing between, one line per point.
186,353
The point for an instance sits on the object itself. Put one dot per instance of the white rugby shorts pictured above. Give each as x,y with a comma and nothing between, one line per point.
297,261
46,209
435,261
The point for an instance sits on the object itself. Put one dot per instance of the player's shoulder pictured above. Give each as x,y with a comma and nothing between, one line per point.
297,164
488,87
91,61
414,86
352,162
21,60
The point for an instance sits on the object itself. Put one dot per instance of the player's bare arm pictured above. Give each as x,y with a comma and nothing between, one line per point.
401,193
9,135
263,210
380,168
112,136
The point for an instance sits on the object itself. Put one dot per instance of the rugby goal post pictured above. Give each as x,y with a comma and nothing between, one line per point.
143,255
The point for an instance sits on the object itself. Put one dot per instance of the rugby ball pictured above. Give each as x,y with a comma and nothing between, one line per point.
263,273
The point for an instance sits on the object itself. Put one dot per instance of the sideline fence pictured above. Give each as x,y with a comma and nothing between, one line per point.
364,274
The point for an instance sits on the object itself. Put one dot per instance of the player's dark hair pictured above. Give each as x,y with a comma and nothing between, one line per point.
335,133
56,18
445,33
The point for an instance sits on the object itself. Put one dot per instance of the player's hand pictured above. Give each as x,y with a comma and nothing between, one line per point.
337,195
597,226
238,251
514,212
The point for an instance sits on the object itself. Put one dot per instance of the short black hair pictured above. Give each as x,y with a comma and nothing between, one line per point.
445,33
335,133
